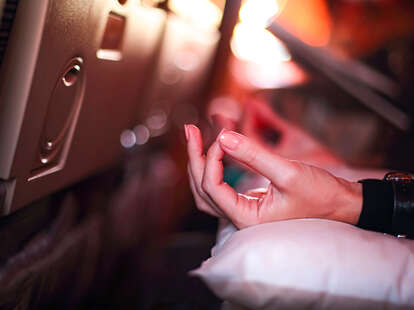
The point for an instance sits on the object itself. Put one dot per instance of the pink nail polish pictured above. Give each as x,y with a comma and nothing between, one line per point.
230,140
186,132
220,134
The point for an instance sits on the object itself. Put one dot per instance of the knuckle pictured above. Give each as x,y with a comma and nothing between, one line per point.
206,186
199,188
292,176
204,196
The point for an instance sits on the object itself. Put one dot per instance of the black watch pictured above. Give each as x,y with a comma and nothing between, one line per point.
403,210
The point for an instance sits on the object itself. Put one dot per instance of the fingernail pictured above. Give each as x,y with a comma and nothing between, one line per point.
230,139
186,132
220,133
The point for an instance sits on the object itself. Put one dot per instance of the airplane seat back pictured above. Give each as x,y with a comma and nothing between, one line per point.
72,78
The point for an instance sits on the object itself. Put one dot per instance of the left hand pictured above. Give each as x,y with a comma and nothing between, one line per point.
296,190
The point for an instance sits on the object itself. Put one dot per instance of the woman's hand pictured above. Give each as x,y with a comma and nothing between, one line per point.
296,190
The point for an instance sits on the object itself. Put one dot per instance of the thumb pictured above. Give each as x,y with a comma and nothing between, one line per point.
277,169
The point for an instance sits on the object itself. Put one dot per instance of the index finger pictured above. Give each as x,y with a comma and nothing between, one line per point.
274,167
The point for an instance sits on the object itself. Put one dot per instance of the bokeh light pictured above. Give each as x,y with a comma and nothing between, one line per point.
128,138
258,12
202,13
258,45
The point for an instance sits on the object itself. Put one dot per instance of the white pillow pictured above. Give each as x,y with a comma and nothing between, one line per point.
310,263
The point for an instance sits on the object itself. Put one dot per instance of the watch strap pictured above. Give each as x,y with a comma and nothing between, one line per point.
403,213
377,207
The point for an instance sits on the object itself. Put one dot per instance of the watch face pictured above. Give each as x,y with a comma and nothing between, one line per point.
398,177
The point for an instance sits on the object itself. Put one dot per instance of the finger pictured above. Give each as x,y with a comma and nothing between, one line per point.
220,192
277,169
195,153
202,197
197,164
202,205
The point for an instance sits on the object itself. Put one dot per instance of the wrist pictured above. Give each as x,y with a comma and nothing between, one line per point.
348,210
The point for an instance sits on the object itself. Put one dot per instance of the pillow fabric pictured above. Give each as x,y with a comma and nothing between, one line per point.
310,263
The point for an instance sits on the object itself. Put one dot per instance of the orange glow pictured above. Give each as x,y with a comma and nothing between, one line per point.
258,12
257,45
251,41
261,76
203,13
262,60
309,20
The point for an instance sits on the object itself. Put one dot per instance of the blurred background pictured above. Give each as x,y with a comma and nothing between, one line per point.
97,211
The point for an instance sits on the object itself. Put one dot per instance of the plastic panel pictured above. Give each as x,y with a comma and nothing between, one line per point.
60,31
